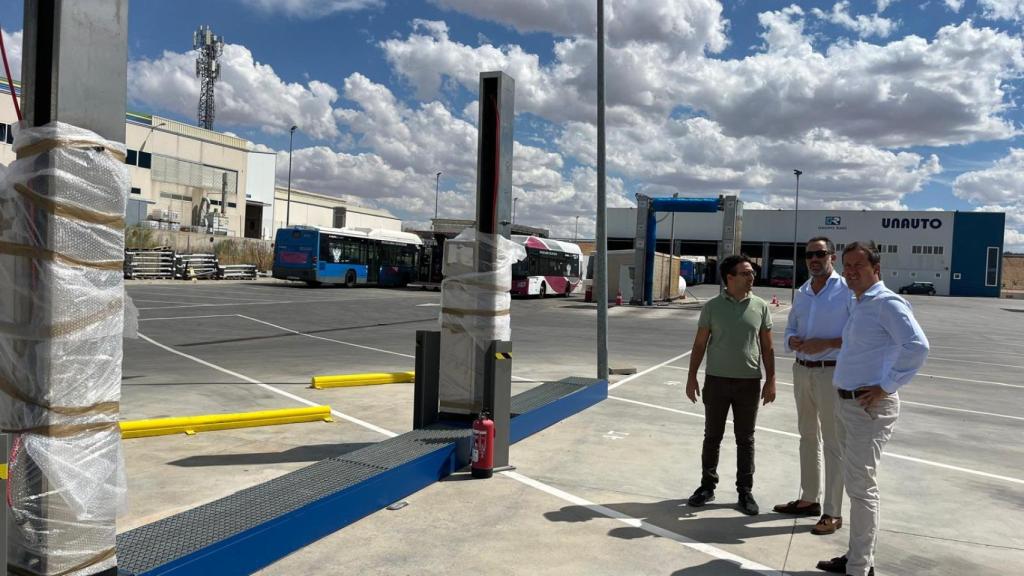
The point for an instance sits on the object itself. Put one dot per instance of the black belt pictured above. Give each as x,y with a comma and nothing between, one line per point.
816,363
851,394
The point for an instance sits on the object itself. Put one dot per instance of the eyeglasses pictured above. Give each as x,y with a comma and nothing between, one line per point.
818,254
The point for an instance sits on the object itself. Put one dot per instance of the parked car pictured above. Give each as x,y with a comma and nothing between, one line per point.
919,288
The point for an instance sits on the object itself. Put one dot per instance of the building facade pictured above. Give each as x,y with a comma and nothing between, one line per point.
959,252
310,209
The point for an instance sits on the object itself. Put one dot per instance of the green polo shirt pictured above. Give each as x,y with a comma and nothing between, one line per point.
734,349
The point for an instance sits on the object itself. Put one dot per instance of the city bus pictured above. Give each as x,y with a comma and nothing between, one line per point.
550,267
346,256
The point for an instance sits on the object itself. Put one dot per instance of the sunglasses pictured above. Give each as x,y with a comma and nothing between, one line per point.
818,254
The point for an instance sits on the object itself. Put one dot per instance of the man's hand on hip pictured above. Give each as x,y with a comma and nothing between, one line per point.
870,395
692,389
768,392
796,344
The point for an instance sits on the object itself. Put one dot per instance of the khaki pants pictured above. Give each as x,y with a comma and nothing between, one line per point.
818,424
866,436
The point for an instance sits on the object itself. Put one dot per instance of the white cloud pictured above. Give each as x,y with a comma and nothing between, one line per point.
883,5
401,148
248,93
1003,9
311,8
864,25
694,157
12,42
999,184
954,5
954,89
691,26
999,188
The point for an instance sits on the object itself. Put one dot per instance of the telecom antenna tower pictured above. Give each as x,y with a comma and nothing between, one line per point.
207,70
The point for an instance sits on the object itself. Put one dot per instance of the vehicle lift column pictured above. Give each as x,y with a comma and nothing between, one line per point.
73,71
491,389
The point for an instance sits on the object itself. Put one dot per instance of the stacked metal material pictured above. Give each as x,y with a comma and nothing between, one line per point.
199,266
153,264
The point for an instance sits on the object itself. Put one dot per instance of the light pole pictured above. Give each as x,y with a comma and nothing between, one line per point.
288,202
796,216
437,187
514,200
601,231
576,234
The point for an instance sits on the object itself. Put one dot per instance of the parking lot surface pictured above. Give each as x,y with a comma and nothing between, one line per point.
604,491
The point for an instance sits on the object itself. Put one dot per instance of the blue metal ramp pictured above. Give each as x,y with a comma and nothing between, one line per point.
253,528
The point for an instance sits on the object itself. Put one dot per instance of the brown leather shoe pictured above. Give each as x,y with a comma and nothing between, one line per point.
827,525
813,509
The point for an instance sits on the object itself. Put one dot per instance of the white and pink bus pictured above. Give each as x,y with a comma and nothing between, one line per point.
550,267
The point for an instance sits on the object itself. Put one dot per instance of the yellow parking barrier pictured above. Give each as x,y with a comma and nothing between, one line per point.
193,424
368,379
3,471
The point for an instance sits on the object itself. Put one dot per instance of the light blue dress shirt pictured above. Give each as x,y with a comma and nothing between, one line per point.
882,344
822,315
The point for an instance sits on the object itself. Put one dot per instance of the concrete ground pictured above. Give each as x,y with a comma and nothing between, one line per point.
600,493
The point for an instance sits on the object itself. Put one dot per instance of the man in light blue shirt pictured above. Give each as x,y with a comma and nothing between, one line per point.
883,348
814,333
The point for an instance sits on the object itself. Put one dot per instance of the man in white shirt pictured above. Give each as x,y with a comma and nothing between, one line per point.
814,332
883,348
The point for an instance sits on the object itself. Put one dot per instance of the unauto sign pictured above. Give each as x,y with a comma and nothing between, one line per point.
914,223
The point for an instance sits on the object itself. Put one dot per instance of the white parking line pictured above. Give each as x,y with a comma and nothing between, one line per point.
267,386
690,543
189,317
793,435
265,303
970,380
195,294
922,374
902,401
651,369
296,332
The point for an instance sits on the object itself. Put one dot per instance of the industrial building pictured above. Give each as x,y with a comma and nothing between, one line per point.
187,177
959,252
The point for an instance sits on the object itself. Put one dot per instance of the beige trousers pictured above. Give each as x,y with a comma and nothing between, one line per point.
819,425
866,435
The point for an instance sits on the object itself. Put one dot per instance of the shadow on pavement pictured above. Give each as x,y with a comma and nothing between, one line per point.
311,453
675,516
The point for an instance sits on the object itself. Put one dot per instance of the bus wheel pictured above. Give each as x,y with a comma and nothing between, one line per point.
350,279
312,283
543,290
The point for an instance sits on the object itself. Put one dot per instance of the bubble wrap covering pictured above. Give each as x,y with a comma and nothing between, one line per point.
475,309
62,316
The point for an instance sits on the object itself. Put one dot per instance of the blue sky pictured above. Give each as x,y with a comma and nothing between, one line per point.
883,104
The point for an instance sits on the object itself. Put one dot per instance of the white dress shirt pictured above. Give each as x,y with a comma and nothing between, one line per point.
882,344
822,315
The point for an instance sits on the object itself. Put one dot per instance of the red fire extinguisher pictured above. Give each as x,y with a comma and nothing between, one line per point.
482,465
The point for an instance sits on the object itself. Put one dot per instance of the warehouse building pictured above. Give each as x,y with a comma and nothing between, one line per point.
959,252
188,178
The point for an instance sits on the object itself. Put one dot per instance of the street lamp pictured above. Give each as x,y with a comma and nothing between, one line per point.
150,133
576,234
437,183
671,251
288,203
796,216
514,200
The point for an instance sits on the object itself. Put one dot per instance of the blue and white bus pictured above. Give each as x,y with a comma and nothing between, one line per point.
347,256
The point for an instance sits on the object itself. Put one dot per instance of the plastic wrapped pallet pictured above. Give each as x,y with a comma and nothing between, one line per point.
62,316
475,305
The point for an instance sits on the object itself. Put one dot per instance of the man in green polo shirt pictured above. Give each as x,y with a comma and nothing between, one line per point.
735,328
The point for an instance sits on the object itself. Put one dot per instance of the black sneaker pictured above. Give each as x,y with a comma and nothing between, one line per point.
701,497
835,565
747,504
